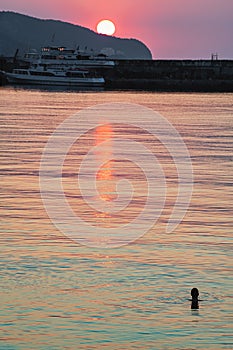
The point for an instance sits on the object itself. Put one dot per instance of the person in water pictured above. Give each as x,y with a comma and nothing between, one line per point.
195,301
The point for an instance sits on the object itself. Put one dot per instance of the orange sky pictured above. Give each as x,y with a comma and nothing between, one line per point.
171,29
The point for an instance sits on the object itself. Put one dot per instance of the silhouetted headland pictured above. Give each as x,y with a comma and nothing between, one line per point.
25,32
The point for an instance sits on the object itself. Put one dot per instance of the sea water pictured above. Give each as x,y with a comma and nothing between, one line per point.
59,293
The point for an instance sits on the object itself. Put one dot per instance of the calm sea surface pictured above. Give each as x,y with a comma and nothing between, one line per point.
59,294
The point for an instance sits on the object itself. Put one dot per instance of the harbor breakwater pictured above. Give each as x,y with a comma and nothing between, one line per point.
172,75
160,75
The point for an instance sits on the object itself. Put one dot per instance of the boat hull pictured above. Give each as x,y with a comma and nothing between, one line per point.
54,81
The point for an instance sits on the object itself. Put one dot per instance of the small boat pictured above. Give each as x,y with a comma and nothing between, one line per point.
41,75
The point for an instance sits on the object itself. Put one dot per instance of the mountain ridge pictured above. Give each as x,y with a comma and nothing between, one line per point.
20,31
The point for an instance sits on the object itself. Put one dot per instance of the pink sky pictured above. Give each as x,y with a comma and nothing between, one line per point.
170,28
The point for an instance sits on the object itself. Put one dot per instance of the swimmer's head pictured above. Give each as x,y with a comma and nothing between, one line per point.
194,293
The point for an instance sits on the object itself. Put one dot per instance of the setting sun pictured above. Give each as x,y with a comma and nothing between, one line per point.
106,27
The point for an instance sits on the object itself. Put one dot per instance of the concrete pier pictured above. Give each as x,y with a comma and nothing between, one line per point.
172,75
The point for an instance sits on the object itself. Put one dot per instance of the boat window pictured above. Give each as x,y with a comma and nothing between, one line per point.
83,57
49,57
45,74
75,74
18,71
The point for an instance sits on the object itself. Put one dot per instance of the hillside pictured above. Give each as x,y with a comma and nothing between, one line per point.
23,32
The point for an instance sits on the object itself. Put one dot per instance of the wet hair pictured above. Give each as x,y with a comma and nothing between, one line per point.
194,293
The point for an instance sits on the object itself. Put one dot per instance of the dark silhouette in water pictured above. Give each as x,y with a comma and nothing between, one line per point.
195,301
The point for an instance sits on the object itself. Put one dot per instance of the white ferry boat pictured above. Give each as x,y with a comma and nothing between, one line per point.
60,55
55,77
